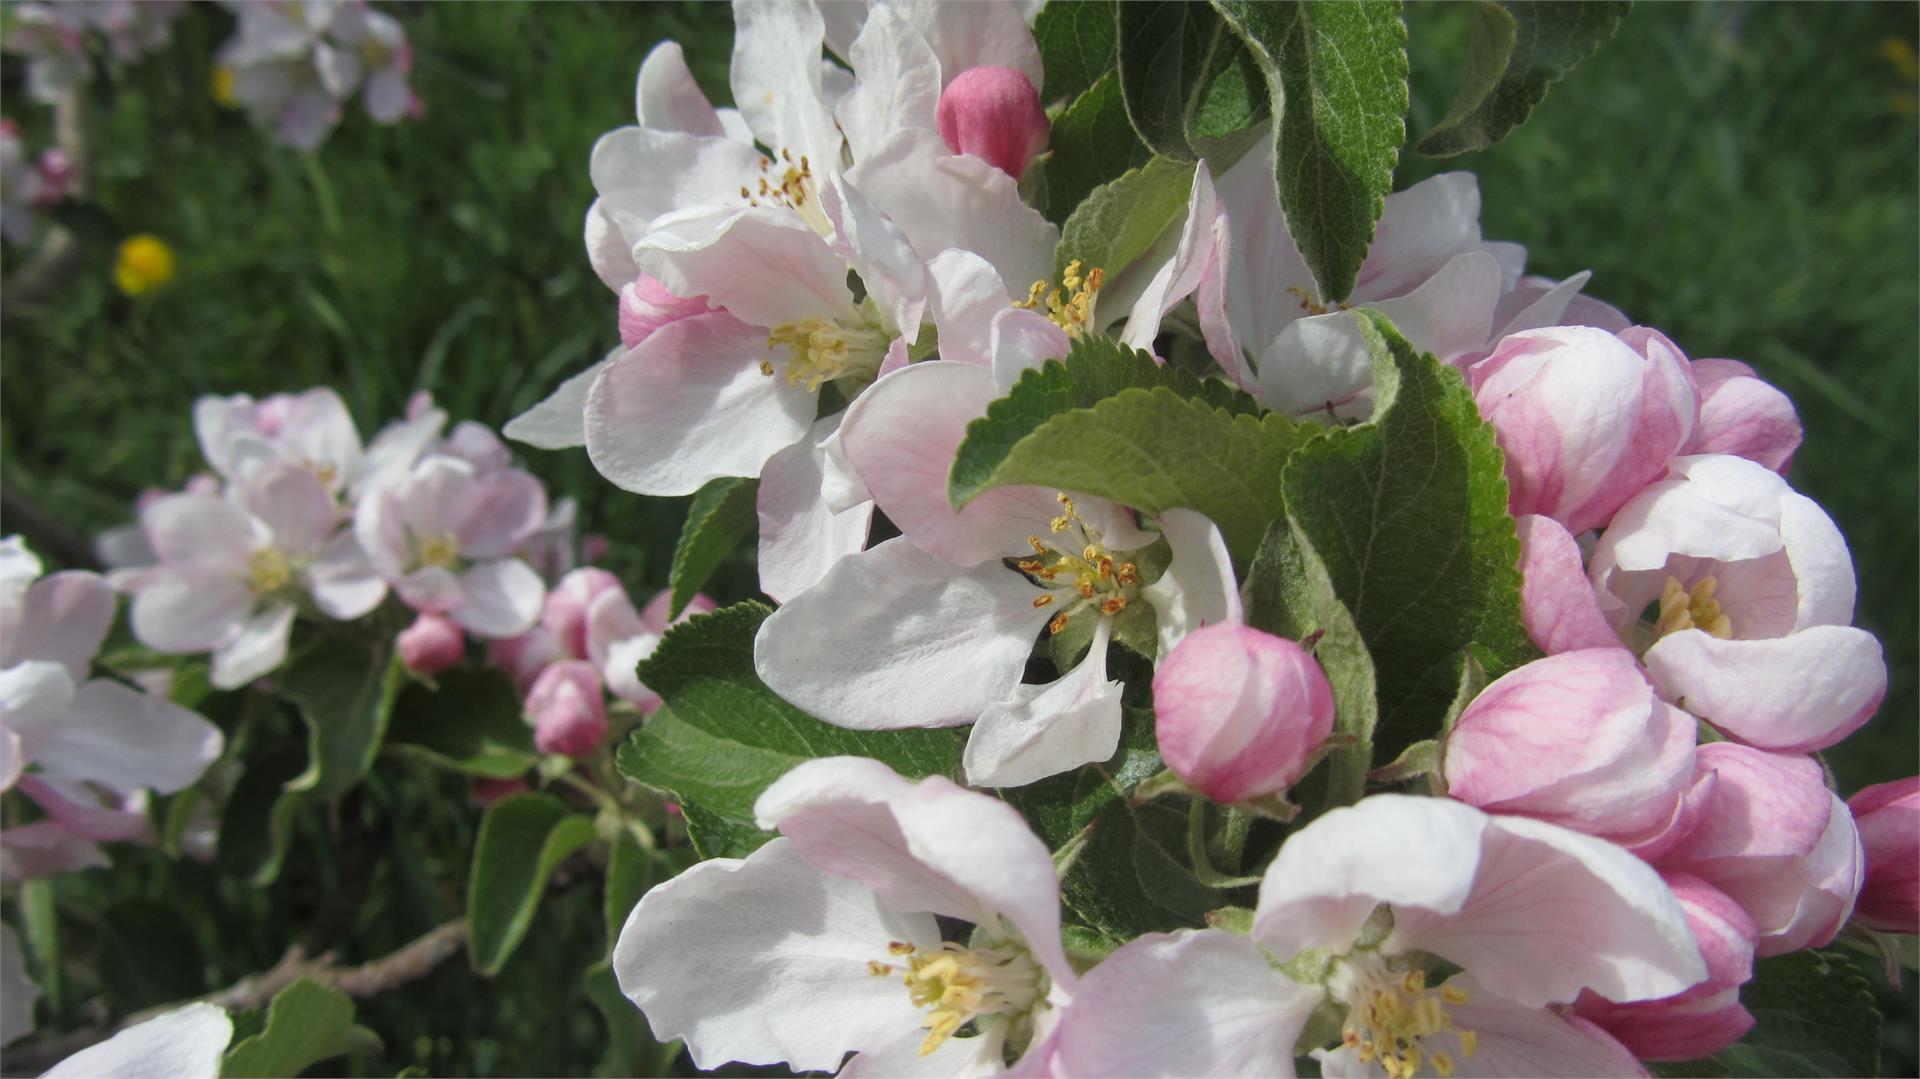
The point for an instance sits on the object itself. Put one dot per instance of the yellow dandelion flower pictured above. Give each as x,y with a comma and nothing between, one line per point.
145,264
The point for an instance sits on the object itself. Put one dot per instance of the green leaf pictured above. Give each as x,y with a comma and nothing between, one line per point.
468,720
307,1023
1109,422
1060,807
1517,50
1118,222
1076,45
1091,145
521,839
1290,594
1126,881
345,690
1813,1013
723,513
724,737
1165,51
1408,515
40,925
1336,71
1224,117
148,955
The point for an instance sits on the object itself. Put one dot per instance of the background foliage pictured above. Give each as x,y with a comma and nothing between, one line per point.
1740,175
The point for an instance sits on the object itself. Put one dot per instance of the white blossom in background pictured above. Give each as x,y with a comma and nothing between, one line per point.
291,64
54,37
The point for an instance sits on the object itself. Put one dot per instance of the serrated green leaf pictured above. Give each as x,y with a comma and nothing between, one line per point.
468,721
1336,73
1517,50
722,514
1076,45
1290,594
1092,144
723,736
522,838
1164,51
1225,115
1813,1013
307,1023
1118,222
1408,514
1088,425
344,689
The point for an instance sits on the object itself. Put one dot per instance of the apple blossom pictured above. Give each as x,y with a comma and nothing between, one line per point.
1888,816
240,436
1239,713
431,644
1579,740
53,38
617,638
1743,416
231,573
934,628
1752,590
290,64
824,941
1706,1018
565,613
1428,270
1776,840
1586,418
1356,907
568,710
1557,603
444,537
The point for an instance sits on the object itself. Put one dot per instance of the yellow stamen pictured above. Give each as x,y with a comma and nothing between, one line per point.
442,550
1043,599
959,984
267,571
1695,608
823,349
1071,306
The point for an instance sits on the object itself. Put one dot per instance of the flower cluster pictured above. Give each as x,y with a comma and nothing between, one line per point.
292,64
827,289
55,37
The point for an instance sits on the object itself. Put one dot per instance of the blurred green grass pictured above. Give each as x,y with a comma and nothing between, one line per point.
1736,174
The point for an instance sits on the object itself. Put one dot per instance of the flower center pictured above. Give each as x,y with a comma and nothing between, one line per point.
1682,608
442,550
792,187
960,984
1076,569
267,571
1070,306
1394,1018
823,350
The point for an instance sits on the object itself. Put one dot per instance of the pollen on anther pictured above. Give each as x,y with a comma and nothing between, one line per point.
766,368
1043,599
1059,623
1114,605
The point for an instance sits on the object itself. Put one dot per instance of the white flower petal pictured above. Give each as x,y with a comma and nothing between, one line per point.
801,534
559,422
1044,730
764,961
502,598
259,647
186,1043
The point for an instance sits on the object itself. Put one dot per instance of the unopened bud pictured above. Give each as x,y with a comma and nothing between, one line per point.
993,113
1240,713
568,708
432,644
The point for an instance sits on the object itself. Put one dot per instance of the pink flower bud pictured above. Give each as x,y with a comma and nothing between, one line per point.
594,546
56,175
1743,416
646,305
1586,418
1775,839
1579,740
568,709
1239,713
654,614
1888,816
1557,602
565,615
488,791
432,644
1707,1017
993,113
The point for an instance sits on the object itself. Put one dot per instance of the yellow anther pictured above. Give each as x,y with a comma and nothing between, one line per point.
1059,623
899,947
1683,608
267,571
1415,981
442,550
1307,302
959,984
1039,548
1396,1019
1129,573
1454,994
1043,599
1071,306
822,349
1443,1064
1060,524
1469,1041
878,969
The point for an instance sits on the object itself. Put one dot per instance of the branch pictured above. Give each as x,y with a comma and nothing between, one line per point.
391,971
